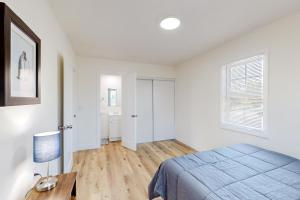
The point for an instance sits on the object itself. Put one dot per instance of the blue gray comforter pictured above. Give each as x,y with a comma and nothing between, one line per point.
235,172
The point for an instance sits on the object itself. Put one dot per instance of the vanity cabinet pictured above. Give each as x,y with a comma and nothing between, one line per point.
114,128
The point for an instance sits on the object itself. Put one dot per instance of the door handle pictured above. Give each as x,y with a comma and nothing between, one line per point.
69,127
134,116
62,128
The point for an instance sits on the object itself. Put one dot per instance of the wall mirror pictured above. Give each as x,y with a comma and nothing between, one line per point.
112,97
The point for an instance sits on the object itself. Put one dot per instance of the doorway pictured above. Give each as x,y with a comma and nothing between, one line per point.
110,108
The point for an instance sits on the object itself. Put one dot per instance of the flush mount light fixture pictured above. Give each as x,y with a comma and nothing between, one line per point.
170,23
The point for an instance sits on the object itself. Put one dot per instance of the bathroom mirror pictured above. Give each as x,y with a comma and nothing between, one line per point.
112,97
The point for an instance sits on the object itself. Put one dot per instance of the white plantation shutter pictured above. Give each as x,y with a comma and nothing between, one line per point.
243,104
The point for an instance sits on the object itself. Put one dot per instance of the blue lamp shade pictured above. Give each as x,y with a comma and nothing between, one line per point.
46,146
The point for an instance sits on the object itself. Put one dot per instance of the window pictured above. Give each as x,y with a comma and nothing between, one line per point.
244,97
112,97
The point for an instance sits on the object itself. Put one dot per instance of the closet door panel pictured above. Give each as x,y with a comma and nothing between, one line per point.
164,111
144,111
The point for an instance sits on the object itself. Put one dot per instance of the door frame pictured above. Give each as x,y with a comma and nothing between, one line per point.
155,78
98,100
75,108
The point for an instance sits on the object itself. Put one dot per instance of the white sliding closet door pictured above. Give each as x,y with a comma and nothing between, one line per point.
164,111
144,111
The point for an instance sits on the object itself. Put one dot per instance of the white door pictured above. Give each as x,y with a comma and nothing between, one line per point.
129,115
67,118
164,109
144,111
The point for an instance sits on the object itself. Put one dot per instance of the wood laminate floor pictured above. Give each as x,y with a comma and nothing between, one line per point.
116,173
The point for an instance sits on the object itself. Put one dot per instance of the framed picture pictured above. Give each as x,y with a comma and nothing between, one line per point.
19,61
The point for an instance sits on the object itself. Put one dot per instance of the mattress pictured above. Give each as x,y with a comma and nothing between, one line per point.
240,171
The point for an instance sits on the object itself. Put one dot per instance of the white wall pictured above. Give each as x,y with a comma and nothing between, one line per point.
89,71
19,123
198,90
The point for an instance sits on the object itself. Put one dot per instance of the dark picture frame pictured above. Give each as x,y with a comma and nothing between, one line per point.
9,95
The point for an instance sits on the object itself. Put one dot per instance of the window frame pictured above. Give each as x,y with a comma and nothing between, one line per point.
224,82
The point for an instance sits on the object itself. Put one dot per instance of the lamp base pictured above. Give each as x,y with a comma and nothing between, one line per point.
46,184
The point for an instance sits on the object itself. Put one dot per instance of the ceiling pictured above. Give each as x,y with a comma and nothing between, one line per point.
129,29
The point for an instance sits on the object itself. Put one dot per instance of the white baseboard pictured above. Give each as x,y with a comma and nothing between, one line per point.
69,167
113,139
87,147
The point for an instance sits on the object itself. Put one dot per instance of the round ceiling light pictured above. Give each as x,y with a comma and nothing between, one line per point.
170,23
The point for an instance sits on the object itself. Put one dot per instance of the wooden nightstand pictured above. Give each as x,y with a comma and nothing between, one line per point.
65,189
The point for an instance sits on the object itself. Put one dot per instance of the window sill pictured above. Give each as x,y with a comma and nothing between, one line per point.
257,133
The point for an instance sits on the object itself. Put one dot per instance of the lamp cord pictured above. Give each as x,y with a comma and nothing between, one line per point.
28,192
31,189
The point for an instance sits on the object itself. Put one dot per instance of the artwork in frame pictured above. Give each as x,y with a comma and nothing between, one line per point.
19,61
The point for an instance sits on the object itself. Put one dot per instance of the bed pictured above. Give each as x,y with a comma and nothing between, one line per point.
236,172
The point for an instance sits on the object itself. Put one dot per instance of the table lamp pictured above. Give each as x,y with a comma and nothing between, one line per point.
46,147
